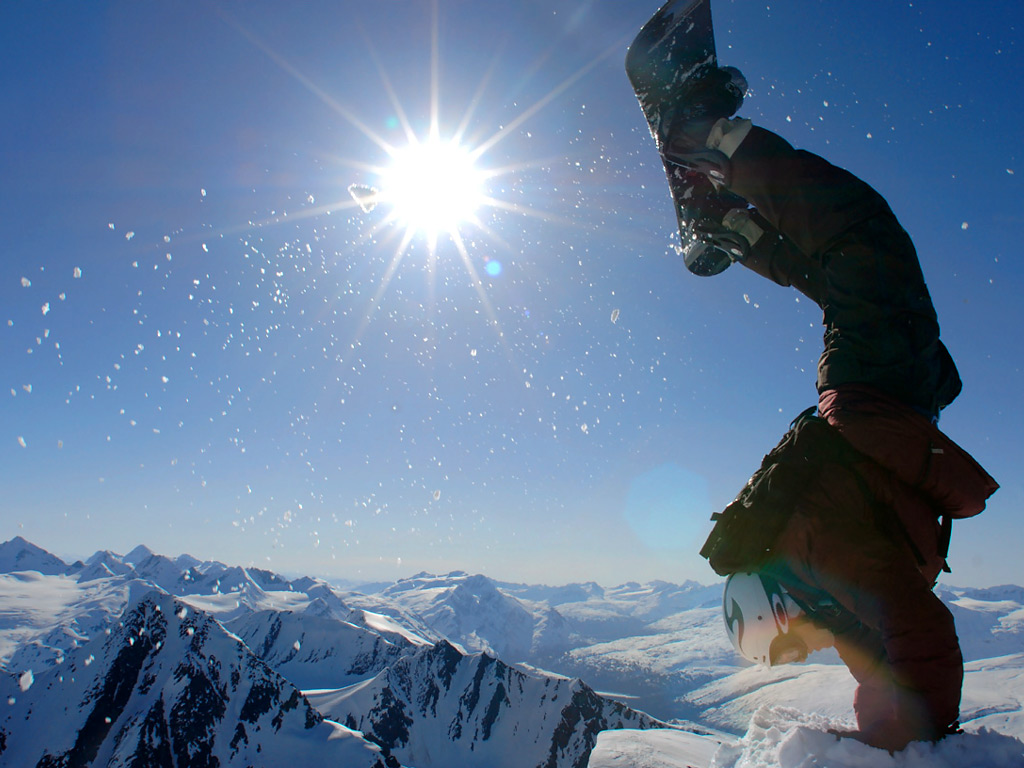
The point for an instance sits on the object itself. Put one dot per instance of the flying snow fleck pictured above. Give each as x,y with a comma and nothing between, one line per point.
77,273
365,196
437,495
26,680
964,225
129,235
297,645
46,306
26,283
615,315
21,442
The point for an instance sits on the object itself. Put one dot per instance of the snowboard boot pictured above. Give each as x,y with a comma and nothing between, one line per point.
695,132
716,227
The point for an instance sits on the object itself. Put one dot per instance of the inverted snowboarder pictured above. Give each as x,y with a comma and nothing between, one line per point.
840,536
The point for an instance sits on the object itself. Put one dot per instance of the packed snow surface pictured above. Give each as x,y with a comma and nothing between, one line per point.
779,737
787,738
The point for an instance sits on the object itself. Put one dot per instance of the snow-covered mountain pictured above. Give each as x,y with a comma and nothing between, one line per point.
473,612
21,555
317,651
168,686
438,671
442,707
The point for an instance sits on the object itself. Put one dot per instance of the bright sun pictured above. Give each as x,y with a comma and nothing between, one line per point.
433,187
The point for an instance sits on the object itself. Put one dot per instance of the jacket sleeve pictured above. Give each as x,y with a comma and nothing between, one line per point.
904,654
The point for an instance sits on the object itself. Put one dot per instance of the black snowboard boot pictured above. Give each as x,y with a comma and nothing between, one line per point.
686,135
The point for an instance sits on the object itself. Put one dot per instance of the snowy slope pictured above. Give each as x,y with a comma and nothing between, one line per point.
43,618
440,708
659,748
316,651
168,687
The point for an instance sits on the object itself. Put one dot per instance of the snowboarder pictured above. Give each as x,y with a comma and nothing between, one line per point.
854,561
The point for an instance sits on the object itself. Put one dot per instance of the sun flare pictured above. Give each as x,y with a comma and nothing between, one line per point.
433,187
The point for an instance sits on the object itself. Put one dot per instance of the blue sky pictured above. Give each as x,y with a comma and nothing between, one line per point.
209,348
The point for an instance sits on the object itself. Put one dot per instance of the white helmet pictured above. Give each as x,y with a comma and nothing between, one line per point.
757,612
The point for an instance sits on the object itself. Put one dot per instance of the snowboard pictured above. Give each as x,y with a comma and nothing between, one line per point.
674,49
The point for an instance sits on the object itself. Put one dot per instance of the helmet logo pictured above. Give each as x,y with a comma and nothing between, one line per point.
781,614
734,620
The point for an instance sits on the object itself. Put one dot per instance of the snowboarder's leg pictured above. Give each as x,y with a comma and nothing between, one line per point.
906,656
858,263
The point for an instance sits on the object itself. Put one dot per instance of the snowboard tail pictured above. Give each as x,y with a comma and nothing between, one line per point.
672,54
675,47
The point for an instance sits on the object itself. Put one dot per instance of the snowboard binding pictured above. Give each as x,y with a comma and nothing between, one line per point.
709,246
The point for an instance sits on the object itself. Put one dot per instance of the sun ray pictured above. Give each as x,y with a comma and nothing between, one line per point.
308,84
403,118
435,71
543,101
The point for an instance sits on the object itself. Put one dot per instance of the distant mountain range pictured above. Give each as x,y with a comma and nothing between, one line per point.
141,659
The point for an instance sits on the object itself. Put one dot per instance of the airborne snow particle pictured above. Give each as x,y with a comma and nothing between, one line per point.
615,315
964,225
46,306
583,428
297,645
129,235
21,442
26,680
437,495
26,283
365,196
77,273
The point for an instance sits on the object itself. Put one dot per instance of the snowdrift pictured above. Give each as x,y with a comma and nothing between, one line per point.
779,737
